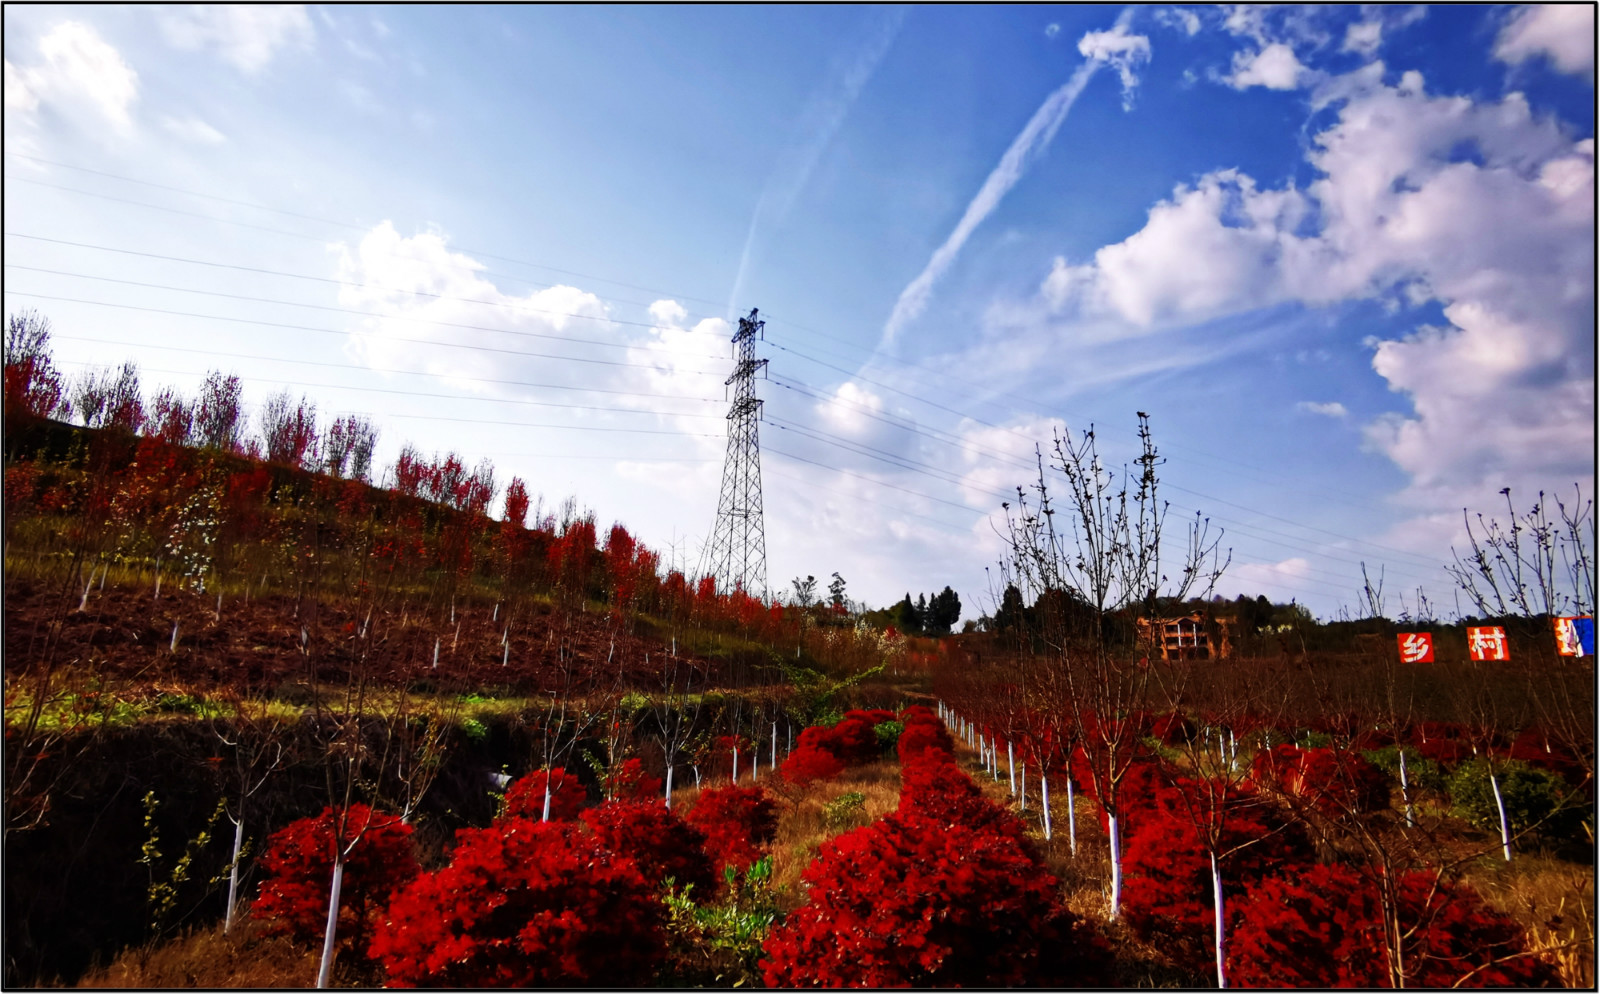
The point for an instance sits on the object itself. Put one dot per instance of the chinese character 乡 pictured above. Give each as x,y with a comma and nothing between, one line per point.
1416,647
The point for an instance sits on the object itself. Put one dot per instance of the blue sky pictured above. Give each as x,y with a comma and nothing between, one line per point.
1344,257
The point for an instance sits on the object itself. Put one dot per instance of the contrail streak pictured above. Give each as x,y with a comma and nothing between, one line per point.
814,131
1041,128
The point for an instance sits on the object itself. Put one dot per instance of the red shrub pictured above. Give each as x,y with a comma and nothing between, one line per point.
524,904
663,844
917,711
807,765
907,902
1167,888
854,741
924,740
1315,928
1323,927
299,864
629,782
1335,781
737,822
874,717
525,797
942,794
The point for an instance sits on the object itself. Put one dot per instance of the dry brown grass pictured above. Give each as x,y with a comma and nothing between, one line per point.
1553,900
209,960
803,827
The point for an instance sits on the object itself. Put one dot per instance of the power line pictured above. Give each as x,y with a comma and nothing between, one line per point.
309,217
335,331
375,314
379,369
445,396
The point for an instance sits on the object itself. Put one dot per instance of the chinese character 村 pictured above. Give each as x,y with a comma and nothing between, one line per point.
1487,644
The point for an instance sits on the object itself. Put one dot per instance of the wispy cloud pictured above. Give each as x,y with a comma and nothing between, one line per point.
813,132
1099,50
1332,409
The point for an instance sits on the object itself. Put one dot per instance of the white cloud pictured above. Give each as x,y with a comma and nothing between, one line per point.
1363,37
247,35
1051,30
1280,581
1332,409
1179,19
1562,32
19,95
1503,242
79,74
192,129
1274,67
851,410
1121,50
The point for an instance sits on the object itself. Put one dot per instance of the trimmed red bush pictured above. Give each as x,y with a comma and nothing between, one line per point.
630,782
525,797
663,844
1323,927
524,904
299,864
941,793
1335,781
923,740
738,823
908,902
1167,887
853,741
806,766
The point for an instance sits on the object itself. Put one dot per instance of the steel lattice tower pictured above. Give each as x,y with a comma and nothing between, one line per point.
737,555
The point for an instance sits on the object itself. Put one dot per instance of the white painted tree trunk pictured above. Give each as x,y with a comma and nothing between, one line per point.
1505,834
735,764
325,969
1216,897
1072,818
1116,867
1405,788
774,763
174,646
1024,786
233,876
546,815
669,785
1044,798
436,653
505,657
1011,767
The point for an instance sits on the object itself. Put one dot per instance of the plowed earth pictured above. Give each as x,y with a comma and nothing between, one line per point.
271,642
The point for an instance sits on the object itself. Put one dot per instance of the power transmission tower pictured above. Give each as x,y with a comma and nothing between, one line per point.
737,555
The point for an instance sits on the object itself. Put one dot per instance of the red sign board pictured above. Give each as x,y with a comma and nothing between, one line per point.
1484,644
1416,647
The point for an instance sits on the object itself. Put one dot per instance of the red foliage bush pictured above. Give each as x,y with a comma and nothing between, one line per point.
941,793
854,741
807,765
874,717
299,864
525,797
924,740
1167,887
524,904
1323,927
663,844
908,902
630,782
1334,781
737,821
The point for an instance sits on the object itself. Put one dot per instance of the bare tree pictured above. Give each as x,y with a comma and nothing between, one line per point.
1096,581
